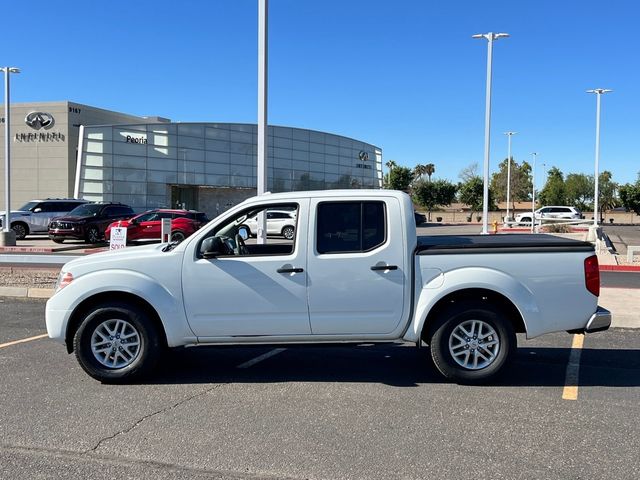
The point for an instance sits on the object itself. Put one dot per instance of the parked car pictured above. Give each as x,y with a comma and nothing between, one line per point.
34,216
88,222
148,225
279,222
355,272
550,212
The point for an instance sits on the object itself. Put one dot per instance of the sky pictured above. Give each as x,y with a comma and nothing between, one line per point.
403,75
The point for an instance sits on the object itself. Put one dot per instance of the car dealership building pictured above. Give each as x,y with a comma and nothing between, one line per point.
66,149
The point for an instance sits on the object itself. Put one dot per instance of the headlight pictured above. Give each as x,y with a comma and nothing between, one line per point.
64,279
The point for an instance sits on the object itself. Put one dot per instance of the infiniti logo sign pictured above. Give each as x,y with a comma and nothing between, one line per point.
38,120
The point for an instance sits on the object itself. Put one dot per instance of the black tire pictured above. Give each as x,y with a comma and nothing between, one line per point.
20,229
58,240
288,232
138,365
92,236
443,342
525,221
177,236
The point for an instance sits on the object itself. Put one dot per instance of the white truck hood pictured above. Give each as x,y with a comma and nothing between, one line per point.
126,258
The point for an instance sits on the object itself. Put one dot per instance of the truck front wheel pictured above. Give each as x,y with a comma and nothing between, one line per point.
471,343
116,343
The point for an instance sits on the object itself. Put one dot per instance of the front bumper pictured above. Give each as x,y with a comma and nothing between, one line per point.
599,321
66,234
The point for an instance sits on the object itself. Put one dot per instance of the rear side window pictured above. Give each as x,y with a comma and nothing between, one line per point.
346,227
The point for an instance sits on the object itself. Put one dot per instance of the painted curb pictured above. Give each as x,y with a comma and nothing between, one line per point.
620,268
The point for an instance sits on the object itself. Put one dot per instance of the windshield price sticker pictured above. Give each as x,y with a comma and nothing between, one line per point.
118,238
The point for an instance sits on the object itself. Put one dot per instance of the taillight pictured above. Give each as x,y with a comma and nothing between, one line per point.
592,275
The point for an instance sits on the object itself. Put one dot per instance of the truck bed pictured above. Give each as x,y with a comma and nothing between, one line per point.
502,243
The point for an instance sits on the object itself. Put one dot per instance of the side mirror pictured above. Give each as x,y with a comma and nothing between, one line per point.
37,210
243,231
211,247
133,221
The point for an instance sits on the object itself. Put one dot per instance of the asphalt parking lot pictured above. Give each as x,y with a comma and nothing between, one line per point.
364,412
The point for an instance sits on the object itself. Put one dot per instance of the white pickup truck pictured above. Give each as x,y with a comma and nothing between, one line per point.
355,271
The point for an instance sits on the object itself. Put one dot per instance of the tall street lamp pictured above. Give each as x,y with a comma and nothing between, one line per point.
533,193
261,174
598,92
487,125
7,237
509,135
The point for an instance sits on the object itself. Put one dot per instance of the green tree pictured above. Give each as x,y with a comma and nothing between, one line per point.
471,193
630,195
400,178
430,195
607,193
579,190
520,182
553,192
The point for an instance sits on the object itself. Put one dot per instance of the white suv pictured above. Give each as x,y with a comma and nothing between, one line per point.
279,222
34,216
550,212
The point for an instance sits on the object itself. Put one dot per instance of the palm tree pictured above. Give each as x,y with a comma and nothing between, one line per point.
419,170
391,164
429,169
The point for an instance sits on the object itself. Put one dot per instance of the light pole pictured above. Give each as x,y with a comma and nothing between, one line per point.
261,177
487,125
7,237
533,193
598,92
509,135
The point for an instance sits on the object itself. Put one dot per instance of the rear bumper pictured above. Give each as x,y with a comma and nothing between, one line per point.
599,321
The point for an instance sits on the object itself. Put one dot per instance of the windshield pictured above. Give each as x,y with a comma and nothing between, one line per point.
85,210
28,206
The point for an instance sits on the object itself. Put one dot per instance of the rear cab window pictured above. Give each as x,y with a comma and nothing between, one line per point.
348,227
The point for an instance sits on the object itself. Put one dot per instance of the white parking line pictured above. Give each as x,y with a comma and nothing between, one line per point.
260,358
15,342
570,391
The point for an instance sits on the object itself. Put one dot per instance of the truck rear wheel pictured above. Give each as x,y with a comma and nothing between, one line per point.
116,343
471,343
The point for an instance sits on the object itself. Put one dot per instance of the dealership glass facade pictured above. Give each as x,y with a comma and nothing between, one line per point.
139,164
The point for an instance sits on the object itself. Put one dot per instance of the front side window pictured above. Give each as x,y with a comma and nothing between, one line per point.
227,241
346,227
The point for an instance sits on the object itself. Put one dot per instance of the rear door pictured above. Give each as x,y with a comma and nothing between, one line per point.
356,266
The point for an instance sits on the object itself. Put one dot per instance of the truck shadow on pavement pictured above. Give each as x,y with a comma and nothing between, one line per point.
393,365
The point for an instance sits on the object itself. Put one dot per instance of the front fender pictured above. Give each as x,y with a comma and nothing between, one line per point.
168,305
434,290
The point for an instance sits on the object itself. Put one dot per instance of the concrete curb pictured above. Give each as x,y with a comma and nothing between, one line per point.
25,292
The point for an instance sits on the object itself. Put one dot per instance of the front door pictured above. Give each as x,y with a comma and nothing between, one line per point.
351,290
260,290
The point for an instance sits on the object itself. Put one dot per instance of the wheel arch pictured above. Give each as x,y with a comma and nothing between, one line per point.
494,301
112,296
23,223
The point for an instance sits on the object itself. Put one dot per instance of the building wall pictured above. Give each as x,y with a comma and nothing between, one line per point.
43,160
135,164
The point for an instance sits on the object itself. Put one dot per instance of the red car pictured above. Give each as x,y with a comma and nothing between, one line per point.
147,225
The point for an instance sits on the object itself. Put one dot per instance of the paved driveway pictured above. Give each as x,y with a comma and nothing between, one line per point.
366,412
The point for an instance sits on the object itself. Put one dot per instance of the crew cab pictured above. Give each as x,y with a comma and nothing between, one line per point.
355,271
